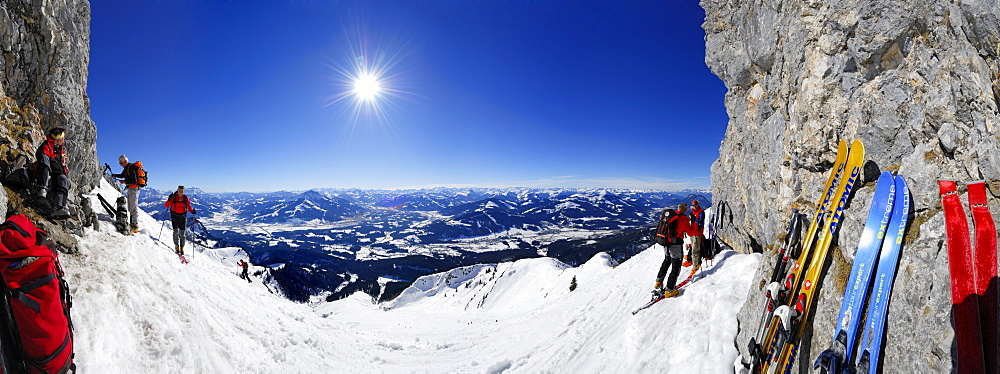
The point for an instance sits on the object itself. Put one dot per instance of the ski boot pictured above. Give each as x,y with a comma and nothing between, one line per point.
668,293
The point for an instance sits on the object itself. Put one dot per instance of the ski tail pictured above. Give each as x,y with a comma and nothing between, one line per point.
841,350
801,305
986,274
647,305
965,303
762,342
885,273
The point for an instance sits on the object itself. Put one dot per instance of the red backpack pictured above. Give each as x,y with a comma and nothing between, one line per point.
38,337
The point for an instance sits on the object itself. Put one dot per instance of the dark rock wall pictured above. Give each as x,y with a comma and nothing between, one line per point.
44,52
916,81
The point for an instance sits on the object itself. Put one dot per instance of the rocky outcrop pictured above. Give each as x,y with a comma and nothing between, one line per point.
916,81
44,52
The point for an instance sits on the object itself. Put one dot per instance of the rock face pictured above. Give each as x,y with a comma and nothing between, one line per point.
916,81
44,52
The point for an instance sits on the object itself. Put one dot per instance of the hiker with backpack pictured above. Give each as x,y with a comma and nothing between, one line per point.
670,235
179,205
51,172
245,267
695,234
134,178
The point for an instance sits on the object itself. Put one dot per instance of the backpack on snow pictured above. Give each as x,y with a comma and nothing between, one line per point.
666,230
37,334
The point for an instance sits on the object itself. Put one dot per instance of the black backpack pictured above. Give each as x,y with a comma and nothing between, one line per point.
666,230
18,176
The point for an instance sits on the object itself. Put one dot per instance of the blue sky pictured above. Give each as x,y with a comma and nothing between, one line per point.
256,95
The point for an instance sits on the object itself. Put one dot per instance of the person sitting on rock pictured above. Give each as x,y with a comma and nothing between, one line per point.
51,172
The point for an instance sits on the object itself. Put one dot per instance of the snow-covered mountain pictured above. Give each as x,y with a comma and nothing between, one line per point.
562,206
332,243
138,309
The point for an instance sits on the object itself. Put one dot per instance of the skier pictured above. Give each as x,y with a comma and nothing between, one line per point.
670,235
245,266
51,171
179,205
697,220
130,176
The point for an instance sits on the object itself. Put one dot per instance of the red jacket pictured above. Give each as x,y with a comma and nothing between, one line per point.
683,226
178,205
53,151
697,222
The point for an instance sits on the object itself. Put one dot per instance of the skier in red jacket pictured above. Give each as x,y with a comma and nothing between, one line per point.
696,233
245,266
179,205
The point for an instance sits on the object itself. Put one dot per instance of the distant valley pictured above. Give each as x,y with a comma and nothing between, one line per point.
327,244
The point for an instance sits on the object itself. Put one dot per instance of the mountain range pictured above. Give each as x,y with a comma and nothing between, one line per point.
331,243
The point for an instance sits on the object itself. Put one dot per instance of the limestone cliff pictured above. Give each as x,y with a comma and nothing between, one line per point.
916,81
44,52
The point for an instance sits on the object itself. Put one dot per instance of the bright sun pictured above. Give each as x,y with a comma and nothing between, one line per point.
366,87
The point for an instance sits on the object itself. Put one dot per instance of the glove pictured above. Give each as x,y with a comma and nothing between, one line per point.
193,211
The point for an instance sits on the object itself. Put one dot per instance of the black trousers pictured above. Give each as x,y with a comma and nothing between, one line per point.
672,262
49,171
179,221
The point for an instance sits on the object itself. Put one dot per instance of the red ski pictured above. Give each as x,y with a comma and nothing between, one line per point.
965,302
184,260
986,274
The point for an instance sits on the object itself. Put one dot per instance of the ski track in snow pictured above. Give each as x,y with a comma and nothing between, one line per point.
138,309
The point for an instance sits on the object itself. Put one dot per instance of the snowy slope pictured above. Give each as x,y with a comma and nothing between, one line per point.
138,309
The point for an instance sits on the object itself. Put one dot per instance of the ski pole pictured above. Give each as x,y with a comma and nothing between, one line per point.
162,223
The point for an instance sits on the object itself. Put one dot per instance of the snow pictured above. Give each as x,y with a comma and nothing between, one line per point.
138,309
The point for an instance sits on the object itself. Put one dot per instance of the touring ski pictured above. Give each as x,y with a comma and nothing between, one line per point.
679,285
772,291
870,350
647,305
777,290
107,206
841,351
793,316
689,278
964,302
986,274
184,260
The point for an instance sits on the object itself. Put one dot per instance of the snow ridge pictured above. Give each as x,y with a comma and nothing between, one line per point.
138,309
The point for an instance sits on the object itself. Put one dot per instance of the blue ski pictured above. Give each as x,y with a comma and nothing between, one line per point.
842,349
878,302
